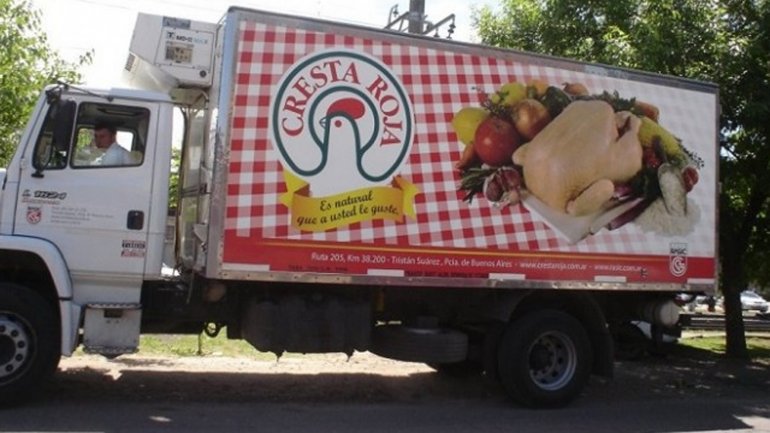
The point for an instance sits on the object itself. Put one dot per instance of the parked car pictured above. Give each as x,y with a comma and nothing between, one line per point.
692,303
751,301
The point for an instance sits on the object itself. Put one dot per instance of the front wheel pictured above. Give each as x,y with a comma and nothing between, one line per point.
544,359
29,343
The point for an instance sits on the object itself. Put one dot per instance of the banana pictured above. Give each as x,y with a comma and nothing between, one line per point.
650,130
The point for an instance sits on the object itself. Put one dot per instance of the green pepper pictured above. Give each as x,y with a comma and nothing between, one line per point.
555,100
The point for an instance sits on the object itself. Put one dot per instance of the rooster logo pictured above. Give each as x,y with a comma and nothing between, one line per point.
343,127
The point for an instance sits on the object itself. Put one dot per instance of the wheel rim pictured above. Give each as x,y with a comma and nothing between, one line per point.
552,360
14,345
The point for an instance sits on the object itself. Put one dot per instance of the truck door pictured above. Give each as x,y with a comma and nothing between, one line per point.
92,198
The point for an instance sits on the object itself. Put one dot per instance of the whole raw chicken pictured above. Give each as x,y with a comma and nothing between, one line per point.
574,163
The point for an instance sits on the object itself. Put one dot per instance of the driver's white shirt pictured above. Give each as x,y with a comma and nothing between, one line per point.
116,155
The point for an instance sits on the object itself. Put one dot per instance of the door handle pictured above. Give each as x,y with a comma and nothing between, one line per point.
135,220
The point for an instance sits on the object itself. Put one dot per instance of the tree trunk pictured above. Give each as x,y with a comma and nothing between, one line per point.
733,280
735,335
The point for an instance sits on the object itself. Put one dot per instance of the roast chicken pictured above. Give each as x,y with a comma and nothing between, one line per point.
574,163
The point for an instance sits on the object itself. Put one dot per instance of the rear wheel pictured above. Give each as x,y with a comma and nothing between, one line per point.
544,359
29,343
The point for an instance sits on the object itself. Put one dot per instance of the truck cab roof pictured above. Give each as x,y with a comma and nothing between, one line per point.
118,92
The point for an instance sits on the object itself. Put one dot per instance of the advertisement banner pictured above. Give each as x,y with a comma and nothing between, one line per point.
361,156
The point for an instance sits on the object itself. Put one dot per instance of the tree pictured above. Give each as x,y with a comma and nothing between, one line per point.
744,77
724,41
27,64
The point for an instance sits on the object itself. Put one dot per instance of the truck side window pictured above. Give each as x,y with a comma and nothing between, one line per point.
108,135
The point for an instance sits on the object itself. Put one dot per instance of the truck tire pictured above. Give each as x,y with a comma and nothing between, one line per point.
544,359
30,346
429,345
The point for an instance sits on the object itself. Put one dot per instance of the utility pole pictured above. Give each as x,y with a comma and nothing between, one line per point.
415,21
416,16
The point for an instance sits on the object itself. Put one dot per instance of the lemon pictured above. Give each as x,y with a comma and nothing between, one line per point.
466,121
513,93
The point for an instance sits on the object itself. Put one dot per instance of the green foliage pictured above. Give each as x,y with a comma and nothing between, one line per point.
666,36
27,64
183,345
173,185
745,76
758,345
723,41
198,345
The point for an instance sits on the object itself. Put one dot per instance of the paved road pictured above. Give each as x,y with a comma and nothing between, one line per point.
461,415
136,395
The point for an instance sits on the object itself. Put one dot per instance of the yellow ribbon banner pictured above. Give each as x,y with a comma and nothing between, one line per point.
317,214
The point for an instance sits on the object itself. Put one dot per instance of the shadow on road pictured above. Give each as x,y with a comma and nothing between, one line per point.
684,391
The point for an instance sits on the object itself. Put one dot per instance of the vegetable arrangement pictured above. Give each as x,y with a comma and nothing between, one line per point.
512,119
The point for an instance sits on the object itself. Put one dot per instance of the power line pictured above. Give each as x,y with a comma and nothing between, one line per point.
221,10
94,2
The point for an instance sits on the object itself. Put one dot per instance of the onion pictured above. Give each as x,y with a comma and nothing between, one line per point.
502,187
530,117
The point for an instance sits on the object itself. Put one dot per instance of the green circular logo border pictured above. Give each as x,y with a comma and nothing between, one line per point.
315,57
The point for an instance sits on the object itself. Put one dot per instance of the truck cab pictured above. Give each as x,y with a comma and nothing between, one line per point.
80,235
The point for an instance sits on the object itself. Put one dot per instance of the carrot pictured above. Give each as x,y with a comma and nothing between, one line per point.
467,159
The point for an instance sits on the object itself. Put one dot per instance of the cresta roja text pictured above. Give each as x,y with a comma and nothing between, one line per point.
329,72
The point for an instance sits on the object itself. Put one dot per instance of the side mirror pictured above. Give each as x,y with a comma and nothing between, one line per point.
60,120
64,121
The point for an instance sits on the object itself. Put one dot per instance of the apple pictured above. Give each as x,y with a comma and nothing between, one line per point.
495,140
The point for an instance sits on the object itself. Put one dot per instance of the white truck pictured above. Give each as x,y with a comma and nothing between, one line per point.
344,189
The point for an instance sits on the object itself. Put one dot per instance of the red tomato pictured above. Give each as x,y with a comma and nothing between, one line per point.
495,141
690,177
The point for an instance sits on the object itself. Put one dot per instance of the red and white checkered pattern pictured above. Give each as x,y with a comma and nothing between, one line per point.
439,83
